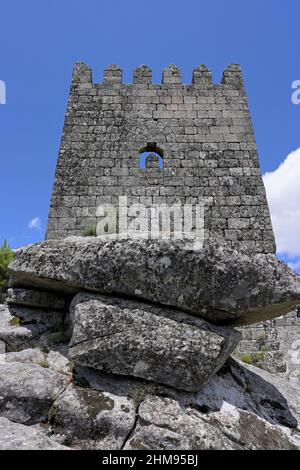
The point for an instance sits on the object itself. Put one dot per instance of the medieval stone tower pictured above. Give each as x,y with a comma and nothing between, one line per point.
202,140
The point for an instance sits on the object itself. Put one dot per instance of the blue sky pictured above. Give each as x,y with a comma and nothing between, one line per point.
40,41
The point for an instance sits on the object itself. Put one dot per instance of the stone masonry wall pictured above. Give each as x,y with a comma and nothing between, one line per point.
274,345
202,131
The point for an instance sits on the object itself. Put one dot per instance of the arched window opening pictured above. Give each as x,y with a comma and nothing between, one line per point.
151,156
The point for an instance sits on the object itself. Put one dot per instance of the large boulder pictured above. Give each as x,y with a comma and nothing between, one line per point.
246,387
241,407
92,419
141,340
53,360
165,425
28,390
217,283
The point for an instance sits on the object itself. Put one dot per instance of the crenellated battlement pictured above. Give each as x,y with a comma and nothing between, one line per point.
171,75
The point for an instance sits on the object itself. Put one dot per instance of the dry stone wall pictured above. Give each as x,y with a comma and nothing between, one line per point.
274,345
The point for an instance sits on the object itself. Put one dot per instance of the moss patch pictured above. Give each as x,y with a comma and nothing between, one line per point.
252,358
89,231
15,321
140,392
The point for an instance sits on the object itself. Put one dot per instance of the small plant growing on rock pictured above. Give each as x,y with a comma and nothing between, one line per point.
15,321
140,392
261,338
44,364
6,256
90,230
252,358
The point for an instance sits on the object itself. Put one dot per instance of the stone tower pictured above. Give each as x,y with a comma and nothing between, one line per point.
200,131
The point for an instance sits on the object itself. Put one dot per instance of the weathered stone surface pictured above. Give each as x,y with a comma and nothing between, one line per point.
59,362
35,298
20,327
15,436
30,355
2,347
217,283
239,408
93,419
252,389
14,336
165,425
27,391
141,340
53,360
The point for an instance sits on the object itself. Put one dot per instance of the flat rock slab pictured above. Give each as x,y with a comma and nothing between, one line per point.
27,391
35,298
30,355
93,419
15,436
217,283
53,360
154,343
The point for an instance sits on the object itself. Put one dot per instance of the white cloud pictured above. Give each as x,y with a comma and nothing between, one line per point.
283,192
295,264
35,223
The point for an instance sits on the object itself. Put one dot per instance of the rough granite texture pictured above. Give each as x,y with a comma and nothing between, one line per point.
157,344
240,407
202,131
21,327
93,419
15,436
28,390
218,283
35,298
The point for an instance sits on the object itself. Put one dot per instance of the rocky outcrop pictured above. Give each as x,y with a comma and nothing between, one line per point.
218,283
164,424
126,344
239,407
14,436
141,340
